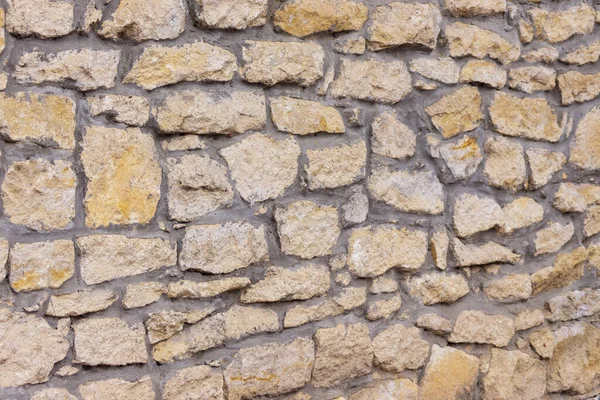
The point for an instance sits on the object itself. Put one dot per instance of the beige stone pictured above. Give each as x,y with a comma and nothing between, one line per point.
29,349
471,40
270,369
231,14
526,31
528,318
141,20
356,209
594,255
398,348
91,17
573,197
142,294
468,255
584,54
439,247
383,309
118,389
434,323
474,213
585,147
185,142
591,222
306,229
372,80
437,288
485,72
373,250
567,268
40,194
398,24
343,352
270,63
53,394
531,79
391,137
42,18
573,305
546,55
83,69
166,323
197,290
43,119
543,163
478,327
461,158
443,69
3,258
448,362
197,185
542,342
331,167
558,26
520,213
457,112
383,284
576,87
510,288
474,8
41,265
283,284
504,165
301,18
393,388
350,45
130,110
304,117
195,383
202,113
123,176
107,257
80,302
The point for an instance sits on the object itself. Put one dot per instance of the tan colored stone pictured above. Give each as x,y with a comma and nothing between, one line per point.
91,17
520,213
461,158
505,166
474,8
332,167
166,323
425,86
437,288
123,176
434,323
351,45
468,255
528,318
141,20
83,69
574,305
185,289
439,247
343,352
130,110
573,197
3,258
306,229
398,348
485,72
372,80
373,250
53,394
118,389
443,69
304,117
474,213
510,288
391,137
40,194
283,284
107,257
383,309
29,349
383,284
231,14
585,147
576,87
543,163
270,63
80,302
567,268
594,255
591,222
542,342
532,79
195,383
558,26
477,327
42,18
356,209
457,112
301,18
471,40
526,31
393,388
185,142
448,362
141,294
584,54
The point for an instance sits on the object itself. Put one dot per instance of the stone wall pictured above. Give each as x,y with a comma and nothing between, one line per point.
310,199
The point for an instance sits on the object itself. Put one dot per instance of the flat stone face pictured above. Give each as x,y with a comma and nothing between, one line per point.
585,147
471,40
460,158
442,69
396,388
448,362
202,113
197,185
439,247
383,309
130,110
123,174
197,290
41,265
43,119
164,324
543,163
118,389
544,54
301,18
199,382
40,194
332,167
220,249
567,268
478,327
532,79
29,348
510,288
108,257
42,18
457,112
558,26
141,20
574,305
141,294
474,213
398,24
572,197
474,8
303,117
591,222
270,369
231,14
585,54
81,302
505,166
521,213
438,288
576,87
343,353
270,63
83,69
374,250
528,318
372,80
398,348
351,45
487,73
193,62
434,323
391,137
468,255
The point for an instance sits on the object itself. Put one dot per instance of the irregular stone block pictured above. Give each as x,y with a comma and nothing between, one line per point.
573,197
585,147
434,323
166,323
457,112
543,163
485,72
42,18
331,167
478,327
396,388
391,137
185,289
199,382
141,294
512,287
118,389
567,268
471,40
473,214
468,255
505,166
520,213
383,308
80,302
576,87
304,117
443,69
443,363
398,348
438,288
558,26
130,110
584,54
231,14
474,8
532,79
574,305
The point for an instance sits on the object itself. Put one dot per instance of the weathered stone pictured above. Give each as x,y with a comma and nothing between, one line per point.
542,342
391,137
573,197
185,142
457,112
587,53
473,213
558,26
351,45
197,185
42,18
373,250
477,327
347,300
505,166
355,211
448,362
576,87
195,383
591,222
528,318
471,40
423,85
383,308
439,247
513,375
270,369
40,194
234,324
398,348
301,18
461,158
372,80
231,14
531,79
3,258
574,305
202,113
526,31
53,394
43,119
83,69
332,167
567,268
141,20
434,323
306,229
123,176
282,284
107,257
594,255
485,72
393,388
343,353
130,110
520,213
118,389
303,117
91,17
80,302
443,69
197,290
29,349
585,147
510,288
543,163
164,324
143,293
270,63
438,288
383,284
468,255
474,8
41,265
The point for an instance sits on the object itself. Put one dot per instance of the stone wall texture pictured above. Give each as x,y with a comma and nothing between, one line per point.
299,199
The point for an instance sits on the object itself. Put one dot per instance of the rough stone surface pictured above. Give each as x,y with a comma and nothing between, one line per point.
573,197
591,223
434,323
457,112
164,324
42,18
391,137
471,40
333,167
532,79
443,69
231,14
398,348
543,164
53,394
528,318
510,288
81,302
574,305
585,147
438,288
130,110
567,268
394,388
195,383
445,362
118,389
141,294
197,290
547,54
439,247
520,213
485,72
553,237
505,163
478,327
303,117
587,53
383,308
473,8
558,26
474,214
576,87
